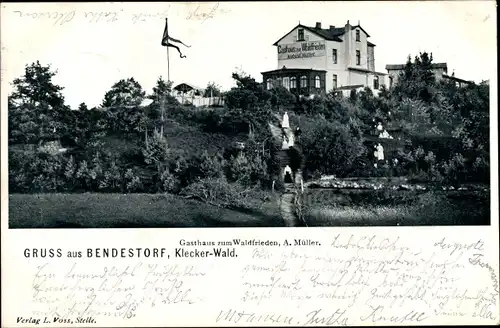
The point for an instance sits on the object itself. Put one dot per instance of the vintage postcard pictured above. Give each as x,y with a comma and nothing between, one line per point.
249,164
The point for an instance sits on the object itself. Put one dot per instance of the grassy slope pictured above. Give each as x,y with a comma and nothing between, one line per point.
192,140
129,211
187,139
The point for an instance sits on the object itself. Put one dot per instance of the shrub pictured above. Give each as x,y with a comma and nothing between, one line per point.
133,181
331,147
169,183
218,192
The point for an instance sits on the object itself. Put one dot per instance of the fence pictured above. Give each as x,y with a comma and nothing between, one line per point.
201,101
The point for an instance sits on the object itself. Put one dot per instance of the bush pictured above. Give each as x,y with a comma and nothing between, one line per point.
331,147
218,192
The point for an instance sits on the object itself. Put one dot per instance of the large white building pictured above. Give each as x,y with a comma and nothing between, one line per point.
314,60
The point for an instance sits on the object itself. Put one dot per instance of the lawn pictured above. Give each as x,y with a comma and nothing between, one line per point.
323,207
330,207
99,210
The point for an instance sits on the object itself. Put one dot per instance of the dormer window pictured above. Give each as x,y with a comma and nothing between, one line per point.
358,38
300,34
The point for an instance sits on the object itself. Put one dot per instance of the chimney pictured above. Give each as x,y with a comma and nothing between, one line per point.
347,45
332,27
318,24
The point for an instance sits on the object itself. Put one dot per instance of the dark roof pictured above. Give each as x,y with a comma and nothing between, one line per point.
186,87
456,79
360,69
402,66
294,70
330,34
348,87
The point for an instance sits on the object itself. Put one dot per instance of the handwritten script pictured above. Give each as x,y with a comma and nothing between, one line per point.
367,279
60,18
112,291
344,280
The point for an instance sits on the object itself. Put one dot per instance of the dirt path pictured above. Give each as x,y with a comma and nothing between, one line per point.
287,209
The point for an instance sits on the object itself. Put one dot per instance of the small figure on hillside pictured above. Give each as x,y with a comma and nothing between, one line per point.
285,123
380,127
378,154
385,135
287,174
298,132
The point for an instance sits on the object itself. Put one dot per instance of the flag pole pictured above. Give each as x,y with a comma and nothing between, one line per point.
168,64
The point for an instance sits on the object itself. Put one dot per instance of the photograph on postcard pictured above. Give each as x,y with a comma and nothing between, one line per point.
369,127
160,121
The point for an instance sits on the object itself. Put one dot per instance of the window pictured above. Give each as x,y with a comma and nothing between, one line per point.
286,83
279,81
300,34
334,56
357,36
390,81
375,82
358,57
303,81
317,82
293,83
334,81
268,81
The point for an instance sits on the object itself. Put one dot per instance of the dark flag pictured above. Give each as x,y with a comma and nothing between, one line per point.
166,40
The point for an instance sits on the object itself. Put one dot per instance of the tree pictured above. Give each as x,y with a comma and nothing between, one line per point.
161,89
36,108
331,147
36,87
124,93
417,80
247,94
82,107
156,151
122,107
212,90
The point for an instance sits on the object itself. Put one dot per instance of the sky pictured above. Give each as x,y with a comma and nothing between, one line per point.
90,53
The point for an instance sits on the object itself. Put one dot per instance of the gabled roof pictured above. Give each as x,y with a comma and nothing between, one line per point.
186,87
362,29
402,66
332,34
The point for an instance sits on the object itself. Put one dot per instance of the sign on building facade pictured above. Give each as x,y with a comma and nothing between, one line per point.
301,50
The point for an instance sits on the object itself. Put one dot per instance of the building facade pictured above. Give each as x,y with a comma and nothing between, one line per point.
314,60
440,71
393,71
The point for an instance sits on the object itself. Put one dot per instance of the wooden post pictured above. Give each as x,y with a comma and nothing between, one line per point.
162,111
168,64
